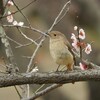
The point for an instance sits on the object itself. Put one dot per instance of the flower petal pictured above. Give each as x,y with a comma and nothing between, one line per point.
82,66
88,49
75,45
81,34
15,22
10,3
75,28
10,17
20,23
73,37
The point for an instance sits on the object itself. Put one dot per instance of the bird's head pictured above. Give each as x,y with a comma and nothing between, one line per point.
56,35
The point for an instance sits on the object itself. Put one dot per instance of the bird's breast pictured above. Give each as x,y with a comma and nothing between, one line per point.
59,51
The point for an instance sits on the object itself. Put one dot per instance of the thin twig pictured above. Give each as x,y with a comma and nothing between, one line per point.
28,90
24,45
39,38
5,5
26,36
60,13
19,44
26,27
39,88
18,92
31,61
43,92
62,16
33,55
20,9
22,13
14,41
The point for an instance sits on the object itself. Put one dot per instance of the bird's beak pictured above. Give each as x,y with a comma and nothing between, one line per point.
48,34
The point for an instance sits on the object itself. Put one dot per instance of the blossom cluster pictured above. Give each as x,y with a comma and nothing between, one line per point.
78,42
10,17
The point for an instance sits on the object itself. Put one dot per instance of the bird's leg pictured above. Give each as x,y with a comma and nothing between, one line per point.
68,68
63,68
58,68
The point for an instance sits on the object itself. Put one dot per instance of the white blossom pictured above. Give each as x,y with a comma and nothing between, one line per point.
73,37
88,49
10,17
10,3
75,28
75,42
20,24
15,22
75,45
81,34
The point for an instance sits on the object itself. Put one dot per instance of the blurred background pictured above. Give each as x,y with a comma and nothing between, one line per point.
83,13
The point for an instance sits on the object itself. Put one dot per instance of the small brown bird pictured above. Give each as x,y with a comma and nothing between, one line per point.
60,49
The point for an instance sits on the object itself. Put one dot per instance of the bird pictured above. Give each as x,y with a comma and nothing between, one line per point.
60,50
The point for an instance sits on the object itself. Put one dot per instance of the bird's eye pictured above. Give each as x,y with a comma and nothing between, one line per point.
54,34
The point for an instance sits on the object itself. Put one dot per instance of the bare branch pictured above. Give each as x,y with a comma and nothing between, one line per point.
24,45
60,13
12,64
14,41
48,89
19,44
39,88
26,27
22,13
17,92
34,53
62,16
27,37
20,9
47,78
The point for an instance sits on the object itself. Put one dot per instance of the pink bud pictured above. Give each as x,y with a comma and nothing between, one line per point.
82,66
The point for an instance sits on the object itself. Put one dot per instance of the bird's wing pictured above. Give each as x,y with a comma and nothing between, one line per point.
69,48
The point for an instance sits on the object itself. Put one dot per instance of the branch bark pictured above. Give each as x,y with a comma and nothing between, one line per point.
12,67
53,77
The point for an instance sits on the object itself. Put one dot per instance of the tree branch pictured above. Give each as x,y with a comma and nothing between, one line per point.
12,67
59,15
18,10
48,89
53,77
